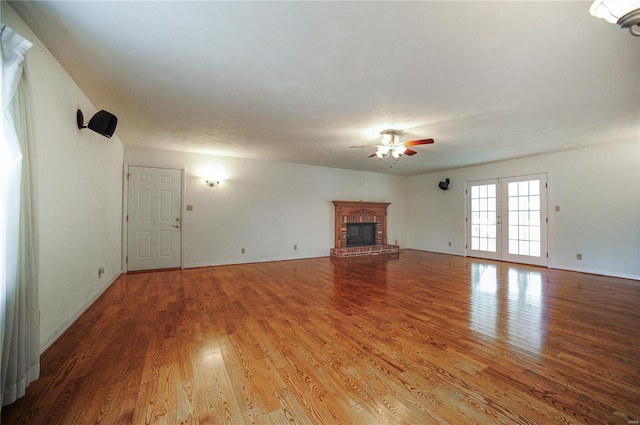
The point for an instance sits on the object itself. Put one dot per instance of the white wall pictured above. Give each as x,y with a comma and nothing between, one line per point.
597,190
268,207
79,184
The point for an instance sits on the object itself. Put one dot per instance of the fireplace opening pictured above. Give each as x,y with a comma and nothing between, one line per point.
359,234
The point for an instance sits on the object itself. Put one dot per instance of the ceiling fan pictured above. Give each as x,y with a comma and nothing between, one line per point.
392,146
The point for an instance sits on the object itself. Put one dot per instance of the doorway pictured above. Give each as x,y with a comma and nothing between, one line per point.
153,218
506,219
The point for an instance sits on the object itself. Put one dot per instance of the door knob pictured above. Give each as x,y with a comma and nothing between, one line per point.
177,226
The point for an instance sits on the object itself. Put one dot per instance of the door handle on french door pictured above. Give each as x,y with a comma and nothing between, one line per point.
177,226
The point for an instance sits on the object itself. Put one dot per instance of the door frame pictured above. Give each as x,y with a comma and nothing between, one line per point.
549,222
125,207
544,218
497,256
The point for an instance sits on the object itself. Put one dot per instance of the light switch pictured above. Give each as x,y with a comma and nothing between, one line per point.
189,207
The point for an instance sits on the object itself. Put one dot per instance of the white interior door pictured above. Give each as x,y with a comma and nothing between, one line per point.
507,219
153,218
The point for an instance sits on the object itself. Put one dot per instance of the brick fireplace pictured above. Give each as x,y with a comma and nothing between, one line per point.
351,212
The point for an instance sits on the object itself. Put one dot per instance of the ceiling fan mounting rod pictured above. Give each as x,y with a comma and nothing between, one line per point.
391,131
390,137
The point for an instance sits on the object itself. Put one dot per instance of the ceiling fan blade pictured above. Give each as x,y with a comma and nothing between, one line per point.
419,142
409,152
372,155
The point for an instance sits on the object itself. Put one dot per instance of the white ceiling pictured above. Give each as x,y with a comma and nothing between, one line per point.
303,81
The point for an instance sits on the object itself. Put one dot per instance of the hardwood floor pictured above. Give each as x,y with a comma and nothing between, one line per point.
418,338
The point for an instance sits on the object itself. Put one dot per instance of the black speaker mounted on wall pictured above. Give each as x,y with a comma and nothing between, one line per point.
444,185
102,122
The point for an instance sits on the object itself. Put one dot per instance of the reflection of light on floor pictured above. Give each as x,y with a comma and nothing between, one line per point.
525,284
488,279
213,358
484,303
525,322
524,301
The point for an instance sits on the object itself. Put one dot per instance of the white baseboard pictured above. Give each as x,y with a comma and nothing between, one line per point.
559,267
50,339
598,272
249,261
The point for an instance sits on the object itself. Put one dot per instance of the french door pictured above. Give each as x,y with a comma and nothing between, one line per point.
483,219
507,219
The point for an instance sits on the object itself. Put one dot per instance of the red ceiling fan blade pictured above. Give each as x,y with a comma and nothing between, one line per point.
419,142
372,155
409,152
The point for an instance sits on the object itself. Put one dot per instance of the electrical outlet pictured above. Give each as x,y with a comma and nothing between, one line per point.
189,207
578,256
295,247
557,208
449,243
242,250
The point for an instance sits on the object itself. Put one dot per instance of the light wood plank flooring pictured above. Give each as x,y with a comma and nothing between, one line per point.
419,338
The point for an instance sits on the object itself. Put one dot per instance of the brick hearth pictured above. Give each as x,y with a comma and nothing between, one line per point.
361,212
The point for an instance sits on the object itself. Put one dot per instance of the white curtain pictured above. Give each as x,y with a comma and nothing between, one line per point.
18,233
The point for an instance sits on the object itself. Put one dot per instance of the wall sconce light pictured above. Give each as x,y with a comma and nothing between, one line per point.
212,183
102,122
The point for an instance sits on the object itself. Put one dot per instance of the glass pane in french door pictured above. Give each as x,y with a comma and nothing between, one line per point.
525,236
483,219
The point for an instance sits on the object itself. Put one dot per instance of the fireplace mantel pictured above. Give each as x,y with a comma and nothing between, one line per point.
361,212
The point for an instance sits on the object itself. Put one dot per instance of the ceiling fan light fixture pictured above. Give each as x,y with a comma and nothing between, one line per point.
391,145
599,10
625,13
